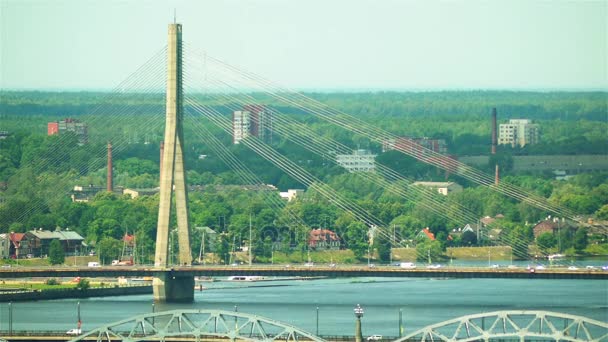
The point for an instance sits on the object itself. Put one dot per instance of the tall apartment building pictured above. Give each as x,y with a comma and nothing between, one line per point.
80,129
518,132
435,145
254,120
359,161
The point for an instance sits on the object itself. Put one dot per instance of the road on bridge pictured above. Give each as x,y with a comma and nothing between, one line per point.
304,271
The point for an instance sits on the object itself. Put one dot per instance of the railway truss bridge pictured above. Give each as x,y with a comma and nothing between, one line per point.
215,325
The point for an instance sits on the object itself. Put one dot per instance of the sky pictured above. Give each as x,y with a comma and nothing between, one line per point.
315,44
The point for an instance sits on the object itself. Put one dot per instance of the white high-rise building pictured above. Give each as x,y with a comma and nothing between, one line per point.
241,125
518,132
255,120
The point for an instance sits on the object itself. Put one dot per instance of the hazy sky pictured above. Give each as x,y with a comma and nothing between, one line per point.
321,44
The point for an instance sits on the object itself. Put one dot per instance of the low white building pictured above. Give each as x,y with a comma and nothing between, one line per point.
134,193
443,188
359,161
291,194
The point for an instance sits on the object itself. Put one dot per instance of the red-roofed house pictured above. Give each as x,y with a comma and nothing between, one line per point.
19,246
427,234
323,238
546,226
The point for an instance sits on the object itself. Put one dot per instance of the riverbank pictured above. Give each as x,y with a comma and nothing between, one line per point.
37,294
398,254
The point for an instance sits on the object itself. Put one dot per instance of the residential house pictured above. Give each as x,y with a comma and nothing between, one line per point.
71,241
323,239
19,246
426,234
546,226
39,241
5,243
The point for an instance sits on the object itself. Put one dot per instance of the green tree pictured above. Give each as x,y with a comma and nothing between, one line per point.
56,253
383,246
519,239
223,248
602,213
83,284
468,239
546,241
108,249
429,251
357,239
580,239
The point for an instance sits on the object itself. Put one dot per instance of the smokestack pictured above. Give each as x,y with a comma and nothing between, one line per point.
162,148
110,180
496,176
494,138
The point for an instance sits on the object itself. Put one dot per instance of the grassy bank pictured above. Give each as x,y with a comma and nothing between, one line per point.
399,254
34,262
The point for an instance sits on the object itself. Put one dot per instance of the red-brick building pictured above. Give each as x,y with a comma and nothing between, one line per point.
546,226
323,238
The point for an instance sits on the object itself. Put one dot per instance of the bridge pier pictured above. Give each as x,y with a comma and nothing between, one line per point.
171,288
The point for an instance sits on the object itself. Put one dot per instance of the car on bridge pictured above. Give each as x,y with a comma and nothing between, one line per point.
73,332
374,338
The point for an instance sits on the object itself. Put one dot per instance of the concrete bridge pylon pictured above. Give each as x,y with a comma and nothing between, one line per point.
168,287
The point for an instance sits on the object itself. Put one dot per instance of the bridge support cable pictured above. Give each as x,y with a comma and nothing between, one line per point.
279,160
363,215
144,82
313,140
241,170
198,325
231,98
515,245
294,170
327,149
373,133
520,247
514,325
98,162
430,157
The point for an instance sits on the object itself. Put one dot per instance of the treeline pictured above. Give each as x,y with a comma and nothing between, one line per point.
570,123
39,171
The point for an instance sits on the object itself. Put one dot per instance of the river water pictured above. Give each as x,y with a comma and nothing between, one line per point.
422,301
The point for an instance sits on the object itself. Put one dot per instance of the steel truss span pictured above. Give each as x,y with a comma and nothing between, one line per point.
514,326
197,325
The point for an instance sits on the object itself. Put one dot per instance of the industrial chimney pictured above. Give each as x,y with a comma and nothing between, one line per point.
496,176
110,180
494,137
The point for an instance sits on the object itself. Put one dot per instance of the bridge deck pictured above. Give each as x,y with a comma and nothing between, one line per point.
302,271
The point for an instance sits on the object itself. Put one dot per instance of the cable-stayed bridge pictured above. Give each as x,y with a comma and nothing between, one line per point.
192,80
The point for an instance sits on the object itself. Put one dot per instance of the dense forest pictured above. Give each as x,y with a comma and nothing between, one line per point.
38,172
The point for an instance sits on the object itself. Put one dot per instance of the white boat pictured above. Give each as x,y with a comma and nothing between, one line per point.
246,278
556,256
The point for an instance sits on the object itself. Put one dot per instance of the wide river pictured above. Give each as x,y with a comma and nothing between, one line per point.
422,301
